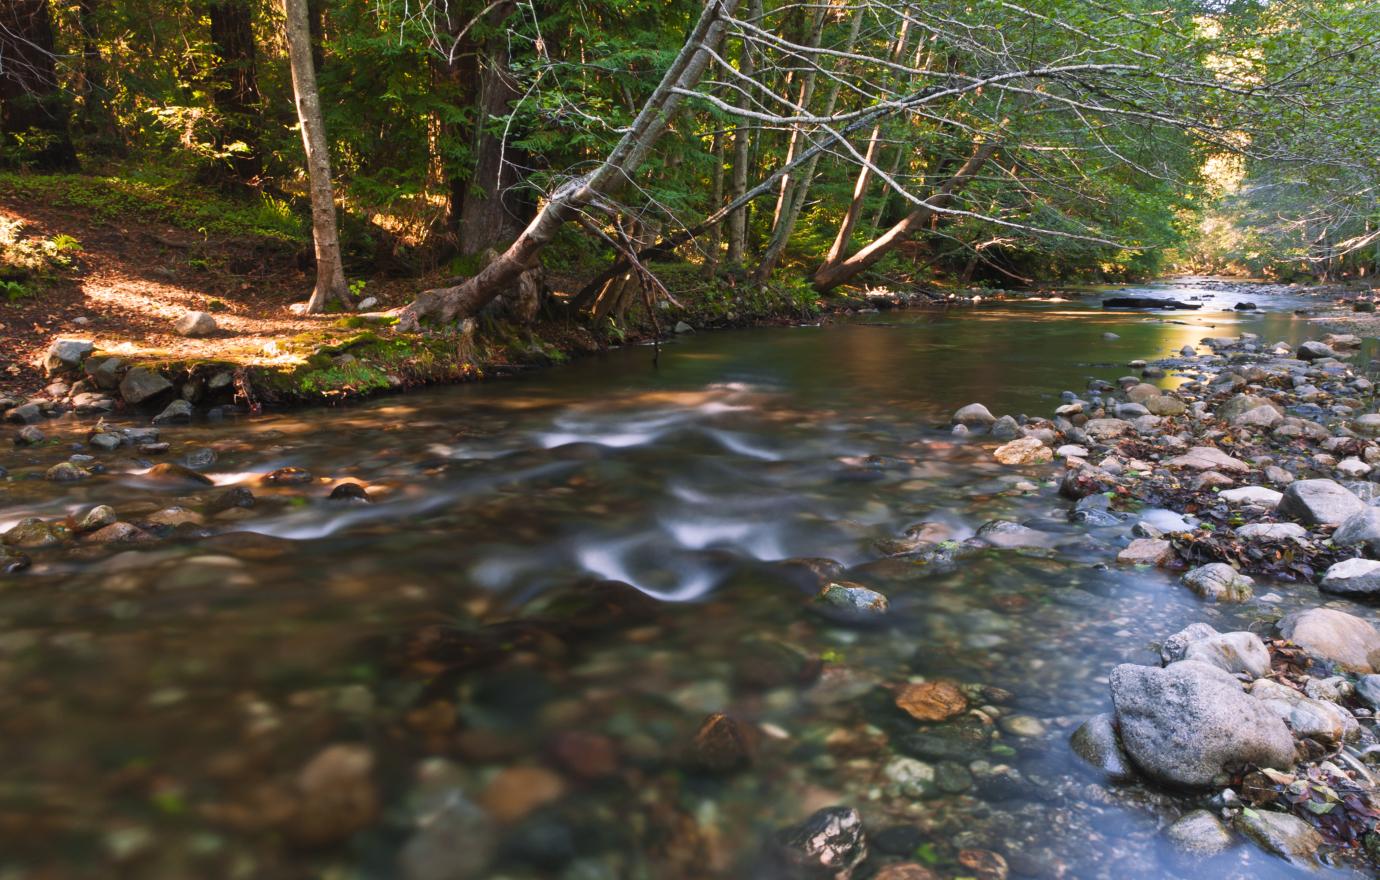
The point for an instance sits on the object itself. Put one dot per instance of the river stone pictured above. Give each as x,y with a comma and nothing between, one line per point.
1097,743
1272,532
141,383
1319,502
849,602
1103,430
1352,577
32,533
66,472
1342,638
104,371
910,778
1006,428
1219,582
1279,833
826,846
196,325
1165,405
1188,723
1368,689
1266,417
453,843
179,411
29,435
1146,551
1009,535
1324,722
974,415
96,518
66,355
1313,350
1368,424
1026,450
25,414
1234,652
1239,405
1353,468
1209,458
1363,528
1255,495
176,476
1176,646
1199,834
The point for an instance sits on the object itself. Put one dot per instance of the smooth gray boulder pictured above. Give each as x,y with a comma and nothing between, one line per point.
1342,638
1319,502
1314,351
1189,723
1006,428
1176,646
1319,720
1261,417
1352,577
974,415
1361,528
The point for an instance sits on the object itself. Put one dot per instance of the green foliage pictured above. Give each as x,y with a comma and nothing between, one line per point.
153,195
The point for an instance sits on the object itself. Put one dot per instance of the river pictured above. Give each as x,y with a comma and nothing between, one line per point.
158,700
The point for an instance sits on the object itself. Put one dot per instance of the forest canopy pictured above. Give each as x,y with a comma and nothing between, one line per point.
826,143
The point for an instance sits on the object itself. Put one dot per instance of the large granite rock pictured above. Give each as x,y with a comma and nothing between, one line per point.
1342,638
66,356
1353,577
1219,582
141,383
1319,502
1189,723
1360,529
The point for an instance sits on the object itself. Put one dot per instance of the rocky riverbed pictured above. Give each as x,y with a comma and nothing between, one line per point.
704,627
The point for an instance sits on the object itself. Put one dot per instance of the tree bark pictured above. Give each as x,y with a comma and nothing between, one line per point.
330,270
491,209
742,158
850,216
33,111
235,86
565,204
827,277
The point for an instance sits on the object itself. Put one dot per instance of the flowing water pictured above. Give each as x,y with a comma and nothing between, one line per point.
158,701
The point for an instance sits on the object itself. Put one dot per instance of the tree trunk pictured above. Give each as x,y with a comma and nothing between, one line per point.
96,117
807,93
330,271
850,217
491,210
742,158
33,110
235,86
827,277
781,234
613,173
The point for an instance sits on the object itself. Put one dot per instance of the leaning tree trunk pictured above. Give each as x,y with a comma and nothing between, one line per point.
33,109
742,159
829,276
235,86
330,271
565,204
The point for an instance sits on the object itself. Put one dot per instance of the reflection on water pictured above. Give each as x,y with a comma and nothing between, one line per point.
157,703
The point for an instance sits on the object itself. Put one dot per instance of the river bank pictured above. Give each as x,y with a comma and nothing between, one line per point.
385,634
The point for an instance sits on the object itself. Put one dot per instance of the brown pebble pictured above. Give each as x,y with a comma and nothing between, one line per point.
723,744
932,700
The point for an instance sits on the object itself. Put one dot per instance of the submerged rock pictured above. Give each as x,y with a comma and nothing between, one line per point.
1097,743
1199,834
1146,551
1188,723
931,700
850,603
828,845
